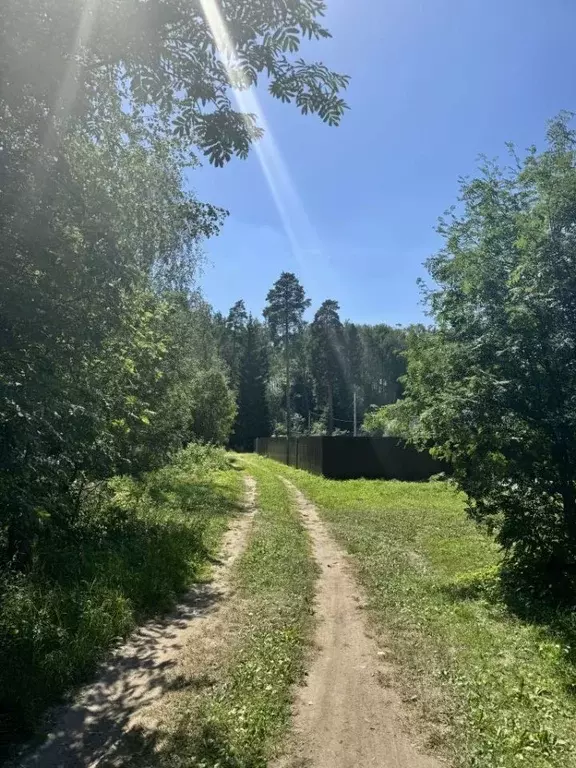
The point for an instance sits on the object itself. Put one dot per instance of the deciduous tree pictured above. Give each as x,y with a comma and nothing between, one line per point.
494,385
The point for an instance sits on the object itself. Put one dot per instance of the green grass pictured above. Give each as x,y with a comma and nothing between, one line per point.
495,691
238,716
136,545
275,579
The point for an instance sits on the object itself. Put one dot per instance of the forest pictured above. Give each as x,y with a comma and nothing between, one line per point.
289,375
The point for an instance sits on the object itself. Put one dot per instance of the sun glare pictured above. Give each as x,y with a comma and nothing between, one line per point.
304,241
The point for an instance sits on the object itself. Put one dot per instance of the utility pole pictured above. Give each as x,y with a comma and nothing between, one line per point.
355,427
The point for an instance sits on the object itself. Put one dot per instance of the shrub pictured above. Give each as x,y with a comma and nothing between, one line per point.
135,545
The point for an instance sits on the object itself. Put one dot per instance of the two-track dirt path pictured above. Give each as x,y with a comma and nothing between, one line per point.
343,716
143,670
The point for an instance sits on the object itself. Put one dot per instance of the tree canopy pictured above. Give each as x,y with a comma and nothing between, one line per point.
174,61
329,362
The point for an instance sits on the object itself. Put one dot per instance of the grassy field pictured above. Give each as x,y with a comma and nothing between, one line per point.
493,690
486,688
237,712
136,545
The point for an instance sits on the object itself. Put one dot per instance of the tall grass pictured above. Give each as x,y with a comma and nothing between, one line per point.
135,546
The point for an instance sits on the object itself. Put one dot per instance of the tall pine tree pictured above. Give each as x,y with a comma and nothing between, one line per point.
234,338
284,312
253,418
328,362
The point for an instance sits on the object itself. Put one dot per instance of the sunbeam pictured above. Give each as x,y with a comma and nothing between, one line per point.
304,240
69,86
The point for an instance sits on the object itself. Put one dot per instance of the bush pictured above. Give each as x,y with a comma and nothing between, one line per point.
135,545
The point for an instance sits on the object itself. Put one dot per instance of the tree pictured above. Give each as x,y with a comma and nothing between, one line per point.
327,359
493,385
354,352
93,261
253,419
175,63
383,364
234,340
284,313
214,407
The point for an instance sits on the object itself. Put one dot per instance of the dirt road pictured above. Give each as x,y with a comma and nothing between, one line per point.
344,717
86,733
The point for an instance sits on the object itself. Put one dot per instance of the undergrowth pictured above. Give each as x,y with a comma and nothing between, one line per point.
136,545
494,681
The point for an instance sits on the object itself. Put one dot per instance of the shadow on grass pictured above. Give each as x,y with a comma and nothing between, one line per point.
556,620
195,742
87,590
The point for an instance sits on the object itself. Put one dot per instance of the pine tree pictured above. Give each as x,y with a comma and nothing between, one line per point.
286,302
234,339
328,362
253,418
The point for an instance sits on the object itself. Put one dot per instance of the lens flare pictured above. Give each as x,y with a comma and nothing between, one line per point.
304,241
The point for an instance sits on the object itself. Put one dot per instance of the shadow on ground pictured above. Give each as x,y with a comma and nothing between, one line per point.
556,621
192,744
122,564
135,677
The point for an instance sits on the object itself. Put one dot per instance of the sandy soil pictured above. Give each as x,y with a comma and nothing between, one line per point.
145,669
345,716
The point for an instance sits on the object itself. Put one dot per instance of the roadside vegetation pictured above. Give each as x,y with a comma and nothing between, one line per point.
110,361
497,688
235,709
135,546
491,386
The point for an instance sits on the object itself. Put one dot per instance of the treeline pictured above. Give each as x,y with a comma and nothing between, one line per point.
305,377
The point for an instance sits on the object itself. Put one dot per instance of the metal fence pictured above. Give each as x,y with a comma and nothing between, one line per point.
352,457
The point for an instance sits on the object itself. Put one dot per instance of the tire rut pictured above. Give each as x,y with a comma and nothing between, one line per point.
343,716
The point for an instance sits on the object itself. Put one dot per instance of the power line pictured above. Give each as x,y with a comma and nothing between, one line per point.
320,413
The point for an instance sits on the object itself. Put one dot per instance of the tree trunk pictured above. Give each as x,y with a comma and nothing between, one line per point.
330,415
288,414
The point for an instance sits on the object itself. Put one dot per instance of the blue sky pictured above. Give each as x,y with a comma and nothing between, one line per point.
352,210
